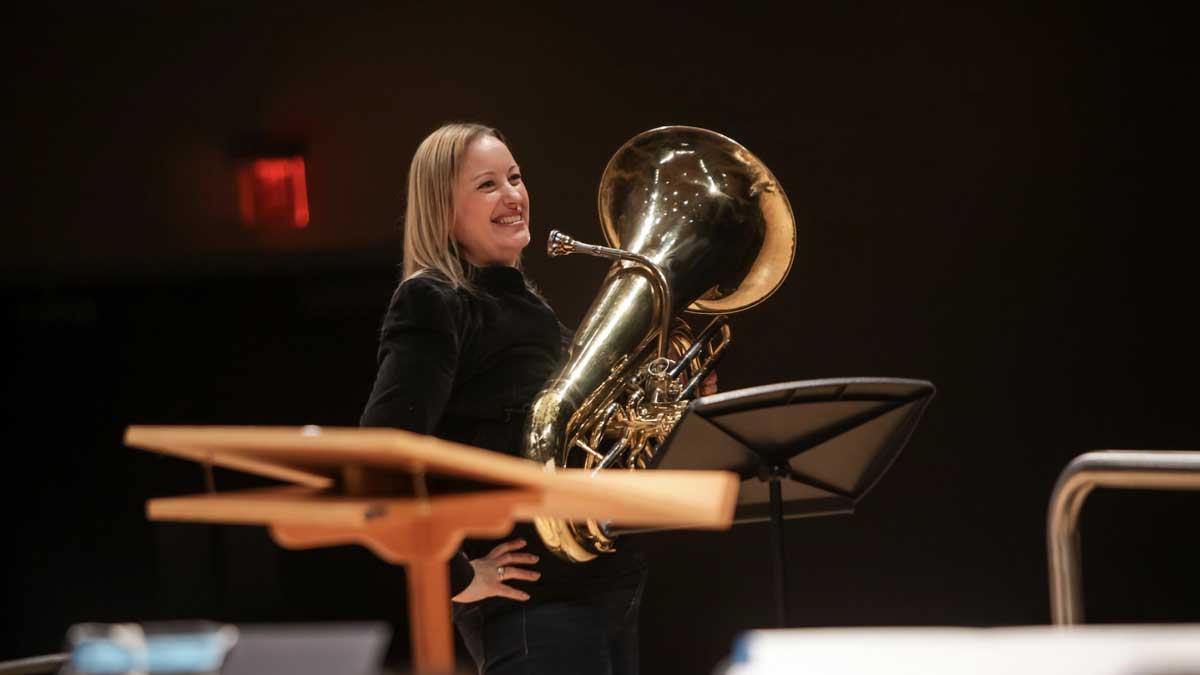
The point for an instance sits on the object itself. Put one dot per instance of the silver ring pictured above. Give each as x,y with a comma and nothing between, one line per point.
500,572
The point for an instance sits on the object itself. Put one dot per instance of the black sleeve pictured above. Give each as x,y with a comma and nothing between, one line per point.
419,348
461,573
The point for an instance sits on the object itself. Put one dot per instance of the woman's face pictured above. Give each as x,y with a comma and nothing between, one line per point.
491,206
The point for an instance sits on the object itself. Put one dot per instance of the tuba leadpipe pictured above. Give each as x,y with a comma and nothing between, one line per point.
560,244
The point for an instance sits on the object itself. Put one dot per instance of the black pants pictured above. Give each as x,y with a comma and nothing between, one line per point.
597,636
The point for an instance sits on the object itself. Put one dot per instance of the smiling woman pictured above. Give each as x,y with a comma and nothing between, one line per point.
491,205
464,348
468,208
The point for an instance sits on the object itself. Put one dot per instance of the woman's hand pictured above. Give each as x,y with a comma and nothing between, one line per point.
709,384
492,570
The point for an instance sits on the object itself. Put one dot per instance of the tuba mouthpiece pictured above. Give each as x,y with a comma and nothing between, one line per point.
559,244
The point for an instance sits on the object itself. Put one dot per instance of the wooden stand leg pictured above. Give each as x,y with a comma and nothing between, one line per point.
422,540
429,616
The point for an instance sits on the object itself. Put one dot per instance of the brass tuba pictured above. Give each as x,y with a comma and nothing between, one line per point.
694,223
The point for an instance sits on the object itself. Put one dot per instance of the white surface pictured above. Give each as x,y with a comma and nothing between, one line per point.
1172,649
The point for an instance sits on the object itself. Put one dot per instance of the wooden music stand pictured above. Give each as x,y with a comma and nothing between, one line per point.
370,487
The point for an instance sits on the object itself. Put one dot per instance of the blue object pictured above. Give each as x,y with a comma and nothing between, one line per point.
116,649
102,656
185,653
741,650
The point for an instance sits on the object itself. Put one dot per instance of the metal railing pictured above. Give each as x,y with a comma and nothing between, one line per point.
1137,469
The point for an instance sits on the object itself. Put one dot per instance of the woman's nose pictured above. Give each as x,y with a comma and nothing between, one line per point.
512,195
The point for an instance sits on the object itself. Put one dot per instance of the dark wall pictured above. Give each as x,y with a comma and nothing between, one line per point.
986,199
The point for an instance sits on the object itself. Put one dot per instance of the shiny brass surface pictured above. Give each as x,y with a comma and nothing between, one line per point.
672,189
694,222
560,244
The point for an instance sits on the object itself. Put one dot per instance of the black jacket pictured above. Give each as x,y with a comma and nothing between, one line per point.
464,366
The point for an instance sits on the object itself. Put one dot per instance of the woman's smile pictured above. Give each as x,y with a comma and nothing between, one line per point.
514,219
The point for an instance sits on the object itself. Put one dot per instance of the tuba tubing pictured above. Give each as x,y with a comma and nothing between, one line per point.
618,324
694,222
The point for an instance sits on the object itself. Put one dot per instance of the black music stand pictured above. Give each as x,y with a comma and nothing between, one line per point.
802,449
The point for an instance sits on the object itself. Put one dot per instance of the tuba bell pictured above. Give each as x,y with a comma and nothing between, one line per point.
694,223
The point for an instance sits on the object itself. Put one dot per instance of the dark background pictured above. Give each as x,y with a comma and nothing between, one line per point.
995,200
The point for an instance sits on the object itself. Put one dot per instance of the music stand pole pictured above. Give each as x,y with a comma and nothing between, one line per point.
781,618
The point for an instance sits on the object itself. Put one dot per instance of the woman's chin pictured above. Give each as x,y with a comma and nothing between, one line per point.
510,251
504,250
518,240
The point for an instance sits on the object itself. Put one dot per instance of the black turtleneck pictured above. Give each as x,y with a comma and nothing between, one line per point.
464,365
448,356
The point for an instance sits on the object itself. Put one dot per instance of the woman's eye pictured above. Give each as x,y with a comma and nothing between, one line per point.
487,184
515,178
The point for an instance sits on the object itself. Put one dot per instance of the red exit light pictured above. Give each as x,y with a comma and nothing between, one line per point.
272,193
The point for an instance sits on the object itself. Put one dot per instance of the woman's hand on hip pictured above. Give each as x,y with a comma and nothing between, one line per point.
497,567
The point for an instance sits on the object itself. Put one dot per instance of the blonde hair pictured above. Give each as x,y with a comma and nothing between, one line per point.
429,243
